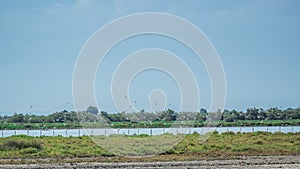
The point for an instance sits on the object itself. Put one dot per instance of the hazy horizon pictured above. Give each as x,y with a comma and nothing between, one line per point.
257,42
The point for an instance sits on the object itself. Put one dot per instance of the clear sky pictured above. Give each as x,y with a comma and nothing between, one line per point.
258,42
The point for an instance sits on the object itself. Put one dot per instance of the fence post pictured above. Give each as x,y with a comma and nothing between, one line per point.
53,132
78,132
151,132
138,131
15,132
292,129
27,132
2,133
267,129
40,132
252,129
279,128
105,132
66,132
128,132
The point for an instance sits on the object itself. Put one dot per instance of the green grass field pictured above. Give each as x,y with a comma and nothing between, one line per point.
190,148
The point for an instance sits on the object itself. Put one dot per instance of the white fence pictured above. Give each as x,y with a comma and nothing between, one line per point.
148,131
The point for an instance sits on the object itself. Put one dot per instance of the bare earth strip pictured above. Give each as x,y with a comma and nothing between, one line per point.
288,162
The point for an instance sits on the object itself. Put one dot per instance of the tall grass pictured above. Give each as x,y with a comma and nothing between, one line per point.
20,144
192,146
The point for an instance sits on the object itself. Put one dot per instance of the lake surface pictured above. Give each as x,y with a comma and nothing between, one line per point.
148,131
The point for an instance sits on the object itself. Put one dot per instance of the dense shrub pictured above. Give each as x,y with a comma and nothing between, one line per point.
11,144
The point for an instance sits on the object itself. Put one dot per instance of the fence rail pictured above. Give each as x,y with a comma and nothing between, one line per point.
148,131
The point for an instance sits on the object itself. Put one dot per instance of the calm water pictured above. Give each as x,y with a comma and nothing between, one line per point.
149,131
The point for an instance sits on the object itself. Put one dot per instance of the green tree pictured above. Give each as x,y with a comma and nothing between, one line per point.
16,118
203,111
168,115
92,109
106,116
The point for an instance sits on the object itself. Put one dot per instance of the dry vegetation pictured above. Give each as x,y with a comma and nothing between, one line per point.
82,149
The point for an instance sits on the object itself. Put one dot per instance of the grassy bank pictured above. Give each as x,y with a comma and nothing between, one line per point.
155,124
190,148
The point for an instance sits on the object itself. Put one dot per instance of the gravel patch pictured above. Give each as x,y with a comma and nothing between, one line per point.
264,162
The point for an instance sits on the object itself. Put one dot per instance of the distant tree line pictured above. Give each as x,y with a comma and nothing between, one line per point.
93,115
57,117
261,114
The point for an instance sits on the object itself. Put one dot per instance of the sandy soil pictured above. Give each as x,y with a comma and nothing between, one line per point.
264,162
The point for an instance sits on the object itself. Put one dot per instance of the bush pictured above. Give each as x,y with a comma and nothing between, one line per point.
20,144
141,135
228,133
215,132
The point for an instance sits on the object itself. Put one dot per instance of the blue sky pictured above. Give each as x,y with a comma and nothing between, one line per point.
258,42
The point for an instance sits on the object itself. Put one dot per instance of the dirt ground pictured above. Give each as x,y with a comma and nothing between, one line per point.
264,162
